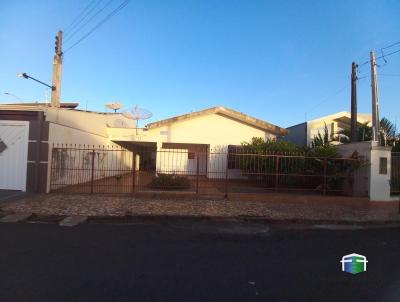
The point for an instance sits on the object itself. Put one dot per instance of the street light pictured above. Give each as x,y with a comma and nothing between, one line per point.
13,95
25,76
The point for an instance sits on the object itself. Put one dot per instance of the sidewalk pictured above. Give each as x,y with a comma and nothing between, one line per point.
101,205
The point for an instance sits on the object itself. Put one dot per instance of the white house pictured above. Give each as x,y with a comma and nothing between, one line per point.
302,134
196,137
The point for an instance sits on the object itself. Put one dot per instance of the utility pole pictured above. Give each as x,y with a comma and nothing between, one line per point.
353,127
375,104
57,70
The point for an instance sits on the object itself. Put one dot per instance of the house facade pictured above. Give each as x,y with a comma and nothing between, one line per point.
195,139
302,134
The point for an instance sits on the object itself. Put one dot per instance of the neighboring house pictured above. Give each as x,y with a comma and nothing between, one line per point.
194,134
303,134
24,146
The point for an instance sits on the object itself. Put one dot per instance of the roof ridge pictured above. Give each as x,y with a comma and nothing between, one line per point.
240,116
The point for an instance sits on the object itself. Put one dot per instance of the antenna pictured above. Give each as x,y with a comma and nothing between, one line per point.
137,114
114,106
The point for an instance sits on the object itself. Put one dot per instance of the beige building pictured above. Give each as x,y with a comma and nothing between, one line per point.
196,134
302,134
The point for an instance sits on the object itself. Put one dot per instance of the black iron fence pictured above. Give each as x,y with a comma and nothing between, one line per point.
84,169
395,174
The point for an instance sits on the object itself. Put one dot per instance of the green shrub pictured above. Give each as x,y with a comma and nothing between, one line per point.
170,182
288,159
259,145
328,151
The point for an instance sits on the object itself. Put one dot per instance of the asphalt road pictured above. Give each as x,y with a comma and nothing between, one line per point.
187,261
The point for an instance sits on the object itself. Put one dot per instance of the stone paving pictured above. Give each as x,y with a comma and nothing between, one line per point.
103,205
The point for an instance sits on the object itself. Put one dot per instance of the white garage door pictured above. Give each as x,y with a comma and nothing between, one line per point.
13,154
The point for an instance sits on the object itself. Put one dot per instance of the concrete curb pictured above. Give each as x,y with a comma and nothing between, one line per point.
16,217
247,219
71,221
127,219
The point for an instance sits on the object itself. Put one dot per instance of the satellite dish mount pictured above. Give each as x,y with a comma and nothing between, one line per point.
137,114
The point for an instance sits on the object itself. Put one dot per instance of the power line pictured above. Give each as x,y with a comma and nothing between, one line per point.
88,21
77,18
389,75
391,45
328,98
388,54
383,56
115,11
84,17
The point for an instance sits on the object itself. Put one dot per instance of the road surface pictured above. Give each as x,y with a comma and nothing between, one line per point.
194,261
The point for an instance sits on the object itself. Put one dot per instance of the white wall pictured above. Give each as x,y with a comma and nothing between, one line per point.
380,183
68,128
215,130
368,179
362,175
92,123
176,161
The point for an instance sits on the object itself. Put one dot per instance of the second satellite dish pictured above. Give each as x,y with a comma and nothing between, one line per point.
114,106
137,114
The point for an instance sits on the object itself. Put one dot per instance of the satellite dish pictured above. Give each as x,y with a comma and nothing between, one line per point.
137,114
141,114
128,115
114,106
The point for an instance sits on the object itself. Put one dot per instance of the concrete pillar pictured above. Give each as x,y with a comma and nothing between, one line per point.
380,173
373,178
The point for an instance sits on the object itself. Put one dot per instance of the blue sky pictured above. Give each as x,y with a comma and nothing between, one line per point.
281,61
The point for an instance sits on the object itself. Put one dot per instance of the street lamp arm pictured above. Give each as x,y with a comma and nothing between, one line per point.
29,77
24,75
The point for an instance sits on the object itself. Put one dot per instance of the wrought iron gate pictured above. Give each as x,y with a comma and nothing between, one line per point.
87,169
395,174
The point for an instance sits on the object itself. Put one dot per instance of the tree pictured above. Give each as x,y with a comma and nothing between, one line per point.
388,132
321,140
364,133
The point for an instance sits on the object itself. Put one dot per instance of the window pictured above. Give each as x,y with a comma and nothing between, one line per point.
191,155
382,165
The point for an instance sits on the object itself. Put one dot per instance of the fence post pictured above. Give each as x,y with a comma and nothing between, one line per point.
276,172
197,173
92,177
133,173
226,174
325,166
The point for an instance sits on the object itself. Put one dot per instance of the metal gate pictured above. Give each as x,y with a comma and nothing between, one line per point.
86,169
395,174
13,154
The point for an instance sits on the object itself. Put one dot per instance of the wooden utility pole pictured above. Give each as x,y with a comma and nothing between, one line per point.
57,71
375,103
353,123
